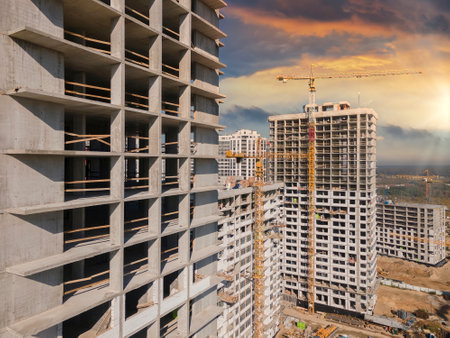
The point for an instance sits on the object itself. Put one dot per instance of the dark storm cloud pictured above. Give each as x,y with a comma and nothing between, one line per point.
412,146
322,10
397,132
255,48
443,5
239,117
430,16
437,24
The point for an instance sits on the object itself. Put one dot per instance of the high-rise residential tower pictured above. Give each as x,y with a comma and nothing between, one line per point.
345,198
237,261
107,229
242,141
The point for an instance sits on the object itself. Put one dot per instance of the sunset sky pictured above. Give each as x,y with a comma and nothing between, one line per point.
270,37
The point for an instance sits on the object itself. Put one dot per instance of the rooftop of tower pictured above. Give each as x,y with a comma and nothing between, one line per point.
325,110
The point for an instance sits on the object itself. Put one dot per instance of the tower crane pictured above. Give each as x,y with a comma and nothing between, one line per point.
258,230
428,180
310,110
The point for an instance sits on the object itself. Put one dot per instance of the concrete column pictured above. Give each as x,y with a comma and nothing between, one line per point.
156,15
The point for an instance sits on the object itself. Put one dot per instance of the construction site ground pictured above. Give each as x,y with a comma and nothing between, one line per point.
317,321
390,298
415,273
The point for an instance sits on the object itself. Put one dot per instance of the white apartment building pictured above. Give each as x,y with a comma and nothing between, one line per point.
345,198
236,261
242,141
411,231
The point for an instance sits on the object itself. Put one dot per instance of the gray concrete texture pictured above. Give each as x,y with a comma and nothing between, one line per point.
104,225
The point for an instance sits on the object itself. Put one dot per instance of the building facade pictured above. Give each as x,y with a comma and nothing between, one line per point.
243,141
412,231
99,98
237,261
345,198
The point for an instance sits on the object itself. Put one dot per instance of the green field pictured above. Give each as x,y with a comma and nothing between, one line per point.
405,190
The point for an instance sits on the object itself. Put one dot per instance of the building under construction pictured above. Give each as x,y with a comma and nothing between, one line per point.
344,257
236,262
243,141
108,216
412,231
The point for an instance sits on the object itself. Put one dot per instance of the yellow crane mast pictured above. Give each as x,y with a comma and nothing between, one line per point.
258,229
259,242
310,110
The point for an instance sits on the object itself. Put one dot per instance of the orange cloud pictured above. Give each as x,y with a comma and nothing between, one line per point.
305,27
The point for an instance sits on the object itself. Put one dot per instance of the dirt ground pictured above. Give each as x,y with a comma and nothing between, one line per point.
392,298
317,320
416,274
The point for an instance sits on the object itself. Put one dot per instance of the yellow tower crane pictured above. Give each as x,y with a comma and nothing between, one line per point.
258,230
310,110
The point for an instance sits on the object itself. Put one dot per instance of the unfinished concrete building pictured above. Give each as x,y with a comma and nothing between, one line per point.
237,261
412,231
242,141
96,97
345,259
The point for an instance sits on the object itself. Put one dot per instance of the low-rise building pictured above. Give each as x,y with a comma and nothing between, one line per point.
411,231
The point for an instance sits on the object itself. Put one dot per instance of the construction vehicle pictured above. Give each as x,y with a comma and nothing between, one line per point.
310,110
325,332
382,272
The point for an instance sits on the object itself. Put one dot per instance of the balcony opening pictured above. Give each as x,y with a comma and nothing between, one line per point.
172,284
137,137
137,220
85,133
86,226
171,58
79,26
170,212
135,261
170,174
137,174
138,10
91,274
149,331
136,49
140,299
169,249
170,104
86,177
136,94
91,323
171,19
87,86
169,324
170,139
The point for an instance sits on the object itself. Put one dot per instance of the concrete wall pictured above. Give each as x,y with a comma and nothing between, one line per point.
46,16
208,45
